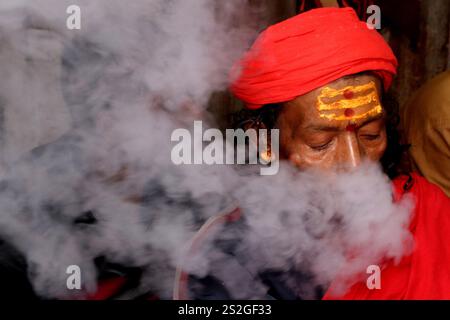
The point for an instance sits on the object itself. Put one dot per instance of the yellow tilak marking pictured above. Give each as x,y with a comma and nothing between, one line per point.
370,98
331,93
375,111
350,104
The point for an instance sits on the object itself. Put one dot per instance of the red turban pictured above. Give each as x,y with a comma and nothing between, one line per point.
308,51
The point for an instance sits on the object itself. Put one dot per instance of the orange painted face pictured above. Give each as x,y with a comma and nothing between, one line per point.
335,126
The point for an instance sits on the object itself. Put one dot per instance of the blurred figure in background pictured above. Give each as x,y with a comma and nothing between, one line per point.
426,121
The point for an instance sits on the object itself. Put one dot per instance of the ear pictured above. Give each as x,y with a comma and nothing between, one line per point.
262,141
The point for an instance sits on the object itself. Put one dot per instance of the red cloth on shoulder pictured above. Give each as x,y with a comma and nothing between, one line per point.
425,274
108,288
308,51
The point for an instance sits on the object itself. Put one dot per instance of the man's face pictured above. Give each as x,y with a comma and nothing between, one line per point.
335,126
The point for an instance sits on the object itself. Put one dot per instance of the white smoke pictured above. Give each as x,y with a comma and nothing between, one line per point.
328,228
333,226
136,71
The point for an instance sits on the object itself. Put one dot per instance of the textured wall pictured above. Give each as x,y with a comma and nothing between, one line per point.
418,31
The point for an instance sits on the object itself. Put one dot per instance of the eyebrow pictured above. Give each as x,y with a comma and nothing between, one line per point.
323,128
329,128
372,119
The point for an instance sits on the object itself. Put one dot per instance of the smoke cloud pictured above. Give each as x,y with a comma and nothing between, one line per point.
135,72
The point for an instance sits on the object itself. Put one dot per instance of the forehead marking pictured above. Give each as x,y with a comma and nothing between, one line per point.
341,104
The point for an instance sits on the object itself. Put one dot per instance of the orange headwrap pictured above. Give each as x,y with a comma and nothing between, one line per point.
308,51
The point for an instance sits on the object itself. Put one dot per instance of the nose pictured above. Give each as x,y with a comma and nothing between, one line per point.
350,153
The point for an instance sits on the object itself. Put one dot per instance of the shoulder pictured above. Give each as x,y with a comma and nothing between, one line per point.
417,185
209,232
219,265
430,201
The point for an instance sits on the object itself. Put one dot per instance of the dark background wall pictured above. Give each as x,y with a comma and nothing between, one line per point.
418,32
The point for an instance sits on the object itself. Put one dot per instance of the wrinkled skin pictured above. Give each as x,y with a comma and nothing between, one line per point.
309,140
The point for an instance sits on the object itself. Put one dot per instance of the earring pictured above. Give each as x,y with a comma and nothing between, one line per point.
266,156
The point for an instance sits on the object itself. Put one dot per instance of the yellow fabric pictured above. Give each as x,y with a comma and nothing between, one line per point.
426,121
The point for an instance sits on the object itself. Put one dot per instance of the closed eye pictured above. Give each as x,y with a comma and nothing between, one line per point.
371,137
321,147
